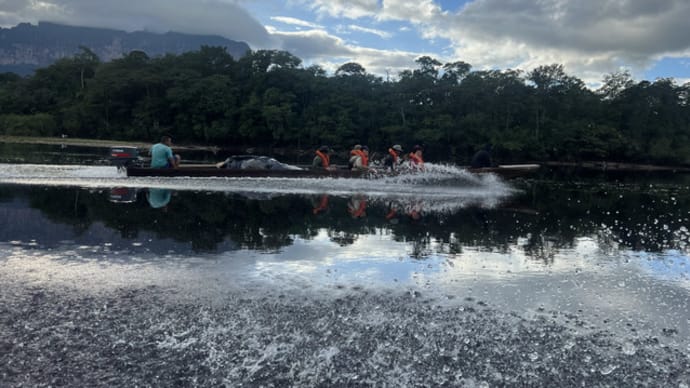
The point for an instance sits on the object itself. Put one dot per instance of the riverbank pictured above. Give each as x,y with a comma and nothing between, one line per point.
96,143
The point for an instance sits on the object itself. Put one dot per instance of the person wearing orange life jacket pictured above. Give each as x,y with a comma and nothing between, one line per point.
415,157
322,160
354,152
357,207
360,158
393,159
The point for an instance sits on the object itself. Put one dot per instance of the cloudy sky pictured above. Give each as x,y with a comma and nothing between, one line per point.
651,38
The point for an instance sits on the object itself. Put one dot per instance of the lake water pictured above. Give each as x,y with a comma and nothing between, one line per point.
441,278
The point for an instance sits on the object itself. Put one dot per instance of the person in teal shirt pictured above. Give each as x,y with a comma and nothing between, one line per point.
162,156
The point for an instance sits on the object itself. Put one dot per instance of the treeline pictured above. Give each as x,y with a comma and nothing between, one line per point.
266,98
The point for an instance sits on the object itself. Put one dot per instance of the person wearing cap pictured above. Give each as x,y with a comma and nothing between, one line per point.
322,159
360,159
392,160
354,152
415,157
162,156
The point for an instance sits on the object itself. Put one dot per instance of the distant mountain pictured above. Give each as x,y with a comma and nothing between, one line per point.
26,47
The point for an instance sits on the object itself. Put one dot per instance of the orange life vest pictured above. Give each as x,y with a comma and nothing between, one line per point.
416,160
394,155
361,154
325,160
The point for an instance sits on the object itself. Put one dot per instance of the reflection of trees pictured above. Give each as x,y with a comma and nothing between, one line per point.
421,248
342,238
541,248
64,206
638,216
548,217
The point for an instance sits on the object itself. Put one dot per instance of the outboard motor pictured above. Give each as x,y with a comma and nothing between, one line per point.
123,156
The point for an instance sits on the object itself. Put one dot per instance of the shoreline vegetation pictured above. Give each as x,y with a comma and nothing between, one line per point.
269,100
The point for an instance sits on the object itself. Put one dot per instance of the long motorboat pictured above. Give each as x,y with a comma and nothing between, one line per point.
213,171
505,171
252,166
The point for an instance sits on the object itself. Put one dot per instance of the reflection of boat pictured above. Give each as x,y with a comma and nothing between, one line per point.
158,198
506,171
123,195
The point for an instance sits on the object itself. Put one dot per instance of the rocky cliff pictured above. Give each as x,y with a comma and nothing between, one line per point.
27,47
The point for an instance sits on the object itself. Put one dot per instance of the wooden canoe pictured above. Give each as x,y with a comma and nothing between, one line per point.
506,171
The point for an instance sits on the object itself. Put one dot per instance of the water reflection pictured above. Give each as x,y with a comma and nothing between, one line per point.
158,198
606,258
123,195
541,220
357,206
56,153
320,204
583,248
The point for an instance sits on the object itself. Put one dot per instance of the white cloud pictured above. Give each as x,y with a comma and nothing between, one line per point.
589,37
309,44
201,17
329,51
351,9
380,33
422,11
296,22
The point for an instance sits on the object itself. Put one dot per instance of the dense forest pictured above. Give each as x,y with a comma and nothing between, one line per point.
267,98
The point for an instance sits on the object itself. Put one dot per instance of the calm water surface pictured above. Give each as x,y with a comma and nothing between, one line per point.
435,279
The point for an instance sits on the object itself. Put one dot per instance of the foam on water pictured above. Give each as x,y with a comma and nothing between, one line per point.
438,173
437,185
56,171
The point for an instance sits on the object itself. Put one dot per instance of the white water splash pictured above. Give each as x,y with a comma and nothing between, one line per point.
436,183
56,171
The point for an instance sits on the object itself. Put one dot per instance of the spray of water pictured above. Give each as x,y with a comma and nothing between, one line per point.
442,187
439,173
